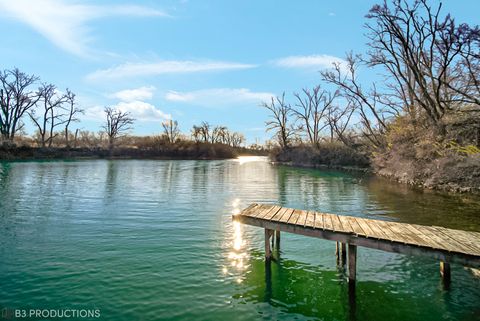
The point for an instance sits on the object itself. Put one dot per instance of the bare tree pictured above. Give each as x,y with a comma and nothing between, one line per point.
205,131
338,119
117,123
50,108
219,134
373,112
196,133
311,110
279,112
171,130
427,58
236,139
72,115
16,98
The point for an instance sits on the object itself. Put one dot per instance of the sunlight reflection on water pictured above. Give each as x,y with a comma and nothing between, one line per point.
247,159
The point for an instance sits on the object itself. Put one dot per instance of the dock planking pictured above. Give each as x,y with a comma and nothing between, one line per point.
446,245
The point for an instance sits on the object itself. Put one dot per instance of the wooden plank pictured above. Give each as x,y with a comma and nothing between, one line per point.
408,235
376,231
337,225
401,232
294,217
364,224
302,218
392,235
248,209
261,210
356,228
279,214
327,222
470,239
462,240
431,239
436,241
271,213
310,221
452,241
319,221
286,216
251,209
426,240
345,220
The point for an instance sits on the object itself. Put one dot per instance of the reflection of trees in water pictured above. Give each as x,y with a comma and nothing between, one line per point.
419,206
111,180
370,196
6,198
319,190
200,177
5,169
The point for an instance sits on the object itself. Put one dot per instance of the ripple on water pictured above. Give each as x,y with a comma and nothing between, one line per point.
154,240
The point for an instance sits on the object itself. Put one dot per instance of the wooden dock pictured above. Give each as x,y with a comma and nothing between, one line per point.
445,245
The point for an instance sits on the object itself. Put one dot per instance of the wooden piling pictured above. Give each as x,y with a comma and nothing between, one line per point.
352,263
277,239
268,250
337,252
343,258
445,272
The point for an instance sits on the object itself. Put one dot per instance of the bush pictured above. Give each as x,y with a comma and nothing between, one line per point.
326,154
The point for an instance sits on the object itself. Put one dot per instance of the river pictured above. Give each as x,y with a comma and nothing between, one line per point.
154,240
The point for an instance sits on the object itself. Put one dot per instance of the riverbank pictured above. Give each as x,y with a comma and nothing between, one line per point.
202,151
452,173
352,169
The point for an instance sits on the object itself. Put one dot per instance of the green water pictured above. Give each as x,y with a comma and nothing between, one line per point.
154,240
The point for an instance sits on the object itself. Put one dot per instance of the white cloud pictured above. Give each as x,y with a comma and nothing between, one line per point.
332,14
140,110
141,93
218,97
65,23
128,70
313,61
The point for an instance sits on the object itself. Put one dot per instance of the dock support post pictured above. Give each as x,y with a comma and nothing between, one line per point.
337,252
445,273
268,249
277,239
352,263
341,253
343,259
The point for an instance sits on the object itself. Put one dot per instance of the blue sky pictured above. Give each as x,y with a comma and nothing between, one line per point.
191,60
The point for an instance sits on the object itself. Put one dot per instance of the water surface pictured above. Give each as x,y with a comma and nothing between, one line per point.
154,240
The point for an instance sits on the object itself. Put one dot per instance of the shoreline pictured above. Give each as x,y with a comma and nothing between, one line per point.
323,166
200,152
451,188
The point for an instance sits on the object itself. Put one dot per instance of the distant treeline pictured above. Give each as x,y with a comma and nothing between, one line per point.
419,124
25,98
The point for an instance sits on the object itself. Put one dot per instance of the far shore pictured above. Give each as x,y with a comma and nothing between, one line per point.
201,152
